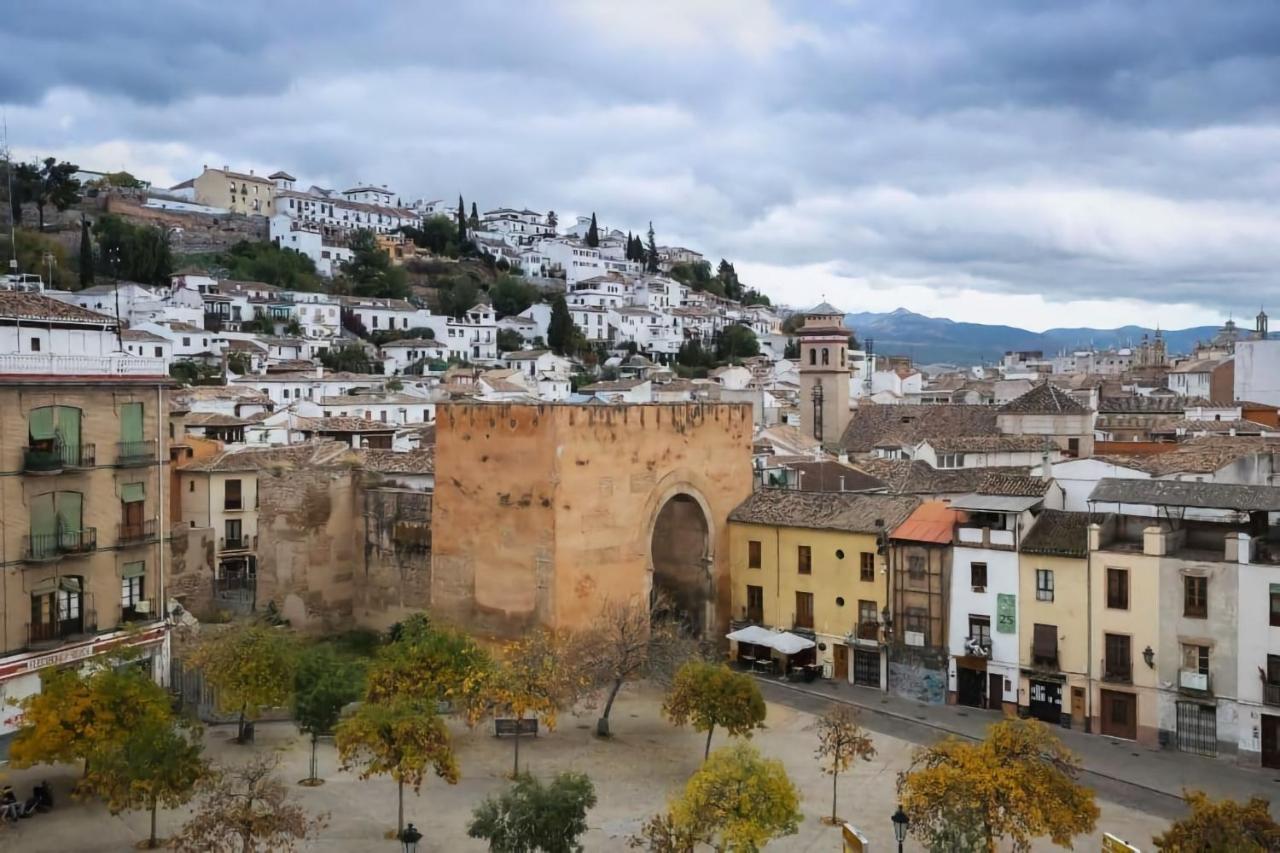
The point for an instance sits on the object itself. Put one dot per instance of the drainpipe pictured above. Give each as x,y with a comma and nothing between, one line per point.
162,600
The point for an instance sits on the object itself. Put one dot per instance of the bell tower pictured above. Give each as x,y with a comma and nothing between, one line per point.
824,374
1261,325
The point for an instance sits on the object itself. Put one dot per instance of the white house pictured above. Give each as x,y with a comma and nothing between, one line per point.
986,451
621,391
403,354
188,341
386,315
534,362
142,342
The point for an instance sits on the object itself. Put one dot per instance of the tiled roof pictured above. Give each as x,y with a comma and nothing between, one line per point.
830,476
1013,485
1203,455
932,521
217,419
852,513
525,355
422,461
612,385
142,335
909,424
1187,493
1223,427
824,308
25,305
309,454
1043,399
237,393
1137,404
916,477
988,443
341,423
1058,533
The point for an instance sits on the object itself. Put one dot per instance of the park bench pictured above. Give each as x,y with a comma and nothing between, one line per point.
508,726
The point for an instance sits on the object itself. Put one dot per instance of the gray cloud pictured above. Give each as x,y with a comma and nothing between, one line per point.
1086,151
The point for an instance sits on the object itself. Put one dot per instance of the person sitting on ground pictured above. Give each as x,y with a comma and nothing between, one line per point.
43,795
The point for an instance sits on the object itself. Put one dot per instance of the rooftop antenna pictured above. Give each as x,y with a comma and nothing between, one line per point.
8,171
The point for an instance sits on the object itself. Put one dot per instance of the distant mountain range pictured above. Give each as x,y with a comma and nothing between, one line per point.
931,340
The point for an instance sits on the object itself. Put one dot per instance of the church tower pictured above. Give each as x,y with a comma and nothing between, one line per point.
824,374
1261,325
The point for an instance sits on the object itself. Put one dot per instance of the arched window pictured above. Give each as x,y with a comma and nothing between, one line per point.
813,356
826,356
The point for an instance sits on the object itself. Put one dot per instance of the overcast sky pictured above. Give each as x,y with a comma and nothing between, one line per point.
1030,163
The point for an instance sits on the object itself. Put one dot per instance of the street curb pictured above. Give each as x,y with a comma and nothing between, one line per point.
817,694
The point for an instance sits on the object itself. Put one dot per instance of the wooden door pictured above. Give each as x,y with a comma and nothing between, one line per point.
969,687
995,691
1119,714
841,665
1077,707
1270,741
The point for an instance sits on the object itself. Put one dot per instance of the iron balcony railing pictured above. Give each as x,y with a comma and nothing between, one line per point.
136,452
51,546
50,459
867,631
1119,671
60,630
143,610
136,533
1270,693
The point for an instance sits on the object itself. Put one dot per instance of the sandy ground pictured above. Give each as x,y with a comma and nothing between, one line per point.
634,773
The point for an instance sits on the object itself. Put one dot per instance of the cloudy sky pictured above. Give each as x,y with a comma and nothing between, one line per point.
1032,163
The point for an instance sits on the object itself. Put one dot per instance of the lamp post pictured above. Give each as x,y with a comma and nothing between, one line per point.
900,824
409,838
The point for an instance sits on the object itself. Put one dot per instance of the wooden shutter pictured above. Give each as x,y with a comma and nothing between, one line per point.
1045,641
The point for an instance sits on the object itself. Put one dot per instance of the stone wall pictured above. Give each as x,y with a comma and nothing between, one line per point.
190,570
544,511
196,232
396,578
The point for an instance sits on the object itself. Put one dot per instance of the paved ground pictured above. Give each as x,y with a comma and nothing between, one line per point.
634,773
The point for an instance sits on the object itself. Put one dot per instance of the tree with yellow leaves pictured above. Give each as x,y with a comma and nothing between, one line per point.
76,715
535,678
402,738
1221,825
1018,784
841,741
158,763
434,664
250,666
737,801
709,695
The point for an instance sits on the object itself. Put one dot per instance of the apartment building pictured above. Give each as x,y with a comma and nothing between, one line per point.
83,482
238,192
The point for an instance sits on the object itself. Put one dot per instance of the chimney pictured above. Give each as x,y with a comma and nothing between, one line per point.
319,371
1046,473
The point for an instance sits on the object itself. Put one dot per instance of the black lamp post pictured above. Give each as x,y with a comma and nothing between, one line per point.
900,823
409,838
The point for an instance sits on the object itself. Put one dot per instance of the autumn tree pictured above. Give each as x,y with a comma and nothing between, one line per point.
841,741
707,695
1221,825
956,802
77,716
631,640
325,683
530,816
403,738
251,667
247,809
737,800
535,677
157,764
432,664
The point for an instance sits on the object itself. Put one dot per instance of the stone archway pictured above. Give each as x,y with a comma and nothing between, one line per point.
681,559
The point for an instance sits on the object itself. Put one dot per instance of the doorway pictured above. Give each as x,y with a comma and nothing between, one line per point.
1046,701
866,668
1197,728
970,687
1077,707
1119,714
680,549
1270,741
995,691
840,667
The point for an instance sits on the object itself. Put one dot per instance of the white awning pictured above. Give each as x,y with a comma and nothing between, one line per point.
754,635
788,643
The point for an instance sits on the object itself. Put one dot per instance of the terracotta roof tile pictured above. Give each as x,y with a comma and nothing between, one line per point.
1058,533
851,513
1043,399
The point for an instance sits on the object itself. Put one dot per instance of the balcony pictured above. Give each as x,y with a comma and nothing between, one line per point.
135,453
46,365
144,610
985,537
1043,658
1270,693
1119,672
138,533
56,459
866,633
234,543
49,634
1195,682
977,647
42,547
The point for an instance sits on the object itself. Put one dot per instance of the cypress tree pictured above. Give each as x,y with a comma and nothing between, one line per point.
86,255
652,252
560,326
475,218
462,223
593,233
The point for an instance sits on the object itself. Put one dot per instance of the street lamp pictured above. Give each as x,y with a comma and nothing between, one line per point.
409,838
900,823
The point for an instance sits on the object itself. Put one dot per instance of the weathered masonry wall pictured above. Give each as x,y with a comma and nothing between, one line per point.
544,511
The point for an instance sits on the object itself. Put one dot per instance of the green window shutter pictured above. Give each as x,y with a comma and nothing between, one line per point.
71,511
134,570
131,422
43,519
68,429
41,423
131,492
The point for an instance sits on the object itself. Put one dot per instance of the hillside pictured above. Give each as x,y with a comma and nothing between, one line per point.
936,339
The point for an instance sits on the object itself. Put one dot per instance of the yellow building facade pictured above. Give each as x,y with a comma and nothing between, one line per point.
249,194
811,563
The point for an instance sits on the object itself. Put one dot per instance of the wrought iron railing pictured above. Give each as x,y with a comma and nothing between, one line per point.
136,452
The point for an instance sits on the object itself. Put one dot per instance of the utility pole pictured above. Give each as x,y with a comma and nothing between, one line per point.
8,171
113,256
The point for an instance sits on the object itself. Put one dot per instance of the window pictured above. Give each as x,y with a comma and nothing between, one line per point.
186,342
234,533
35,345
131,585
231,495
866,566
159,352
1073,447
978,576
755,603
1275,607
1044,645
813,357
826,356
1118,589
753,554
916,619
1044,584
915,567
980,630
867,612
1195,658
1273,669
1195,597
1118,665
950,460
804,610
804,559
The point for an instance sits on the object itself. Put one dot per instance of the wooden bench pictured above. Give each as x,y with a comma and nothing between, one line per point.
508,726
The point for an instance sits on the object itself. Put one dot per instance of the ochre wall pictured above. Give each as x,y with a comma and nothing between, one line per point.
543,511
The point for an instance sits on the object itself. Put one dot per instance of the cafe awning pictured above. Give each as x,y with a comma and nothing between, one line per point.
788,643
753,634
